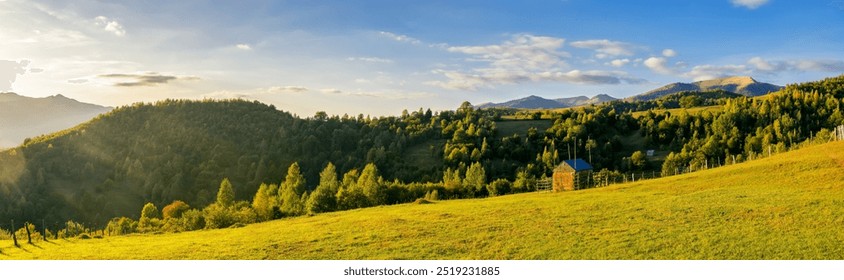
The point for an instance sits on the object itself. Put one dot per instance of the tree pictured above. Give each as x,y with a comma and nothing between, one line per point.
475,179
524,181
638,160
372,185
324,197
350,196
265,202
121,226
291,204
294,179
149,211
498,187
225,196
175,209
150,220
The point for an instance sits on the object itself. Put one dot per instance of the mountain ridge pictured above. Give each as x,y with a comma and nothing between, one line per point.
23,117
537,102
743,85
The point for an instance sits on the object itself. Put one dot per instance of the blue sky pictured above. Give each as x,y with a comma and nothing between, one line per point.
379,57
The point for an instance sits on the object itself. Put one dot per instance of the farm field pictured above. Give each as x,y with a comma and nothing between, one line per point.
789,206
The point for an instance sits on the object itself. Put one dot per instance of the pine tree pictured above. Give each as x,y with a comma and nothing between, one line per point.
225,196
294,179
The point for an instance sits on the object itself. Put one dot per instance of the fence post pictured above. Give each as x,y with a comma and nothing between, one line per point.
14,236
28,234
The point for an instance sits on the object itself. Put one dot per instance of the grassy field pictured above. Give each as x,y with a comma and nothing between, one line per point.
789,206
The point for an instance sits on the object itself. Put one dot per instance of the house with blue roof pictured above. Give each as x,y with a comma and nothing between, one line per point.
573,174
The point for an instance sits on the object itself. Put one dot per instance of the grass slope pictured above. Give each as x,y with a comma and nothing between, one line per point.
789,206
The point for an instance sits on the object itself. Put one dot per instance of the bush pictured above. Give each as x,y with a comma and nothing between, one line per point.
432,195
72,229
149,225
217,216
121,226
33,233
498,187
175,209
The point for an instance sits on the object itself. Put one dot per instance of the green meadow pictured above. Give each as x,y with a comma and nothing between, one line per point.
788,206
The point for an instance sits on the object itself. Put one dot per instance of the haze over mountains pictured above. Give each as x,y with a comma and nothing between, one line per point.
22,117
746,86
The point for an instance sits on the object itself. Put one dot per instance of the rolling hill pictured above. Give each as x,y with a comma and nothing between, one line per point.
746,86
536,102
23,117
788,206
113,164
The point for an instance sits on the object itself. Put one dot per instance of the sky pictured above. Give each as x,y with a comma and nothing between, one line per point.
380,57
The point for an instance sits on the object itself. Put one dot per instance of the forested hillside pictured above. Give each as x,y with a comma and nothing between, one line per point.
182,150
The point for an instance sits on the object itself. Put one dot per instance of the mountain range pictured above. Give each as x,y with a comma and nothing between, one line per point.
536,102
23,117
743,85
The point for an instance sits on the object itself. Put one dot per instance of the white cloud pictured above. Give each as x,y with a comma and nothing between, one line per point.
145,79
400,38
709,72
9,72
819,65
522,52
750,4
110,25
285,89
606,48
669,53
527,58
619,62
244,47
763,65
331,91
370,59
659,65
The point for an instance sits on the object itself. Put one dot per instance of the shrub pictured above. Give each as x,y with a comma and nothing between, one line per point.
72,229
121,226
175,209
217,216
498,187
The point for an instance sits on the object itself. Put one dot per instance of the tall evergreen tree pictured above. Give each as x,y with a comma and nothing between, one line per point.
294,179
225,196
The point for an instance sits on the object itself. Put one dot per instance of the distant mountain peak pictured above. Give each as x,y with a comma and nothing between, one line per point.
743,85
24,117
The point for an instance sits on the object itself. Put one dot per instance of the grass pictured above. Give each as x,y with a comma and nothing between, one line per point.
789,206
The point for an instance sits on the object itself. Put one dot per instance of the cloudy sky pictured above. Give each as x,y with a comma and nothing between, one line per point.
379,57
